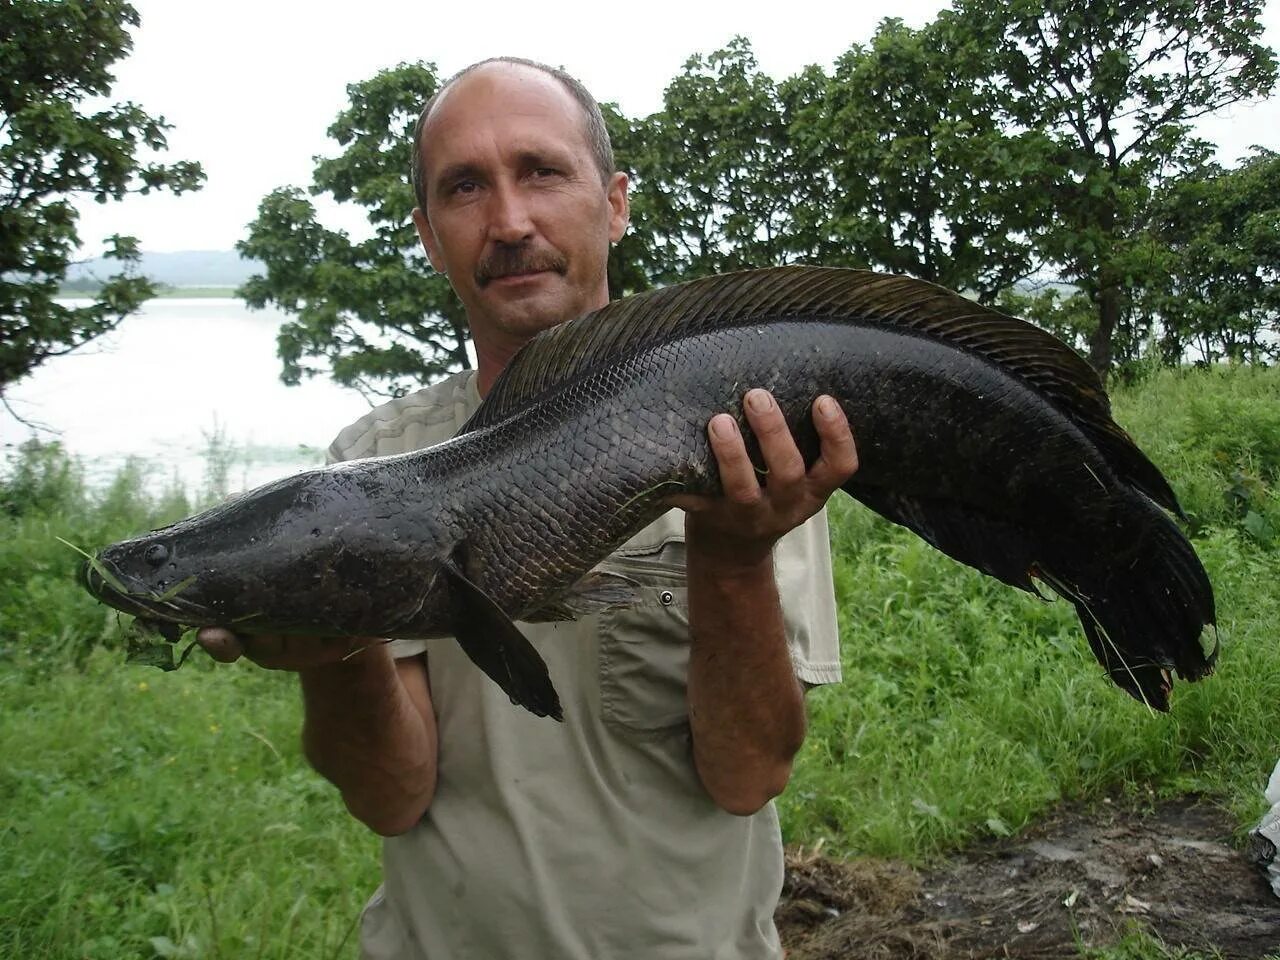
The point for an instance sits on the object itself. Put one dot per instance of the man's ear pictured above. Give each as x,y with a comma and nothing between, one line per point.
428,239
619,205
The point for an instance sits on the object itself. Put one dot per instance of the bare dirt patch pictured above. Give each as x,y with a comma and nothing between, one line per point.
1079,879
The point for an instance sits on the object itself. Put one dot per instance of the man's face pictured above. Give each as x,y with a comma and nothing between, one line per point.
517,215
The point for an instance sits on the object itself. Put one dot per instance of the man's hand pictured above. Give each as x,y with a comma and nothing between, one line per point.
740,528
280,652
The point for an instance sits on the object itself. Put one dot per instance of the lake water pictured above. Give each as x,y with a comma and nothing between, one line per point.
166,380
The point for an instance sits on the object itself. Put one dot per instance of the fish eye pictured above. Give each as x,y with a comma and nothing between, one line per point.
156,554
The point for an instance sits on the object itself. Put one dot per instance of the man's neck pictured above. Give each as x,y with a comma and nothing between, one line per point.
489,365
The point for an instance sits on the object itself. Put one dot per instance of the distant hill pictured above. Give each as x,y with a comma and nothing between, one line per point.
182,268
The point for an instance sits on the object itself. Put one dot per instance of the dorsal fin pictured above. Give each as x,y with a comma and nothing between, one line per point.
625,327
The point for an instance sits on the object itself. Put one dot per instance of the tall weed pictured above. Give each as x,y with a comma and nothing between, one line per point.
43,609
1216,434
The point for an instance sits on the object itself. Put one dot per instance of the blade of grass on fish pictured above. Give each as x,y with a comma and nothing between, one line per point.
645,493
98,568
1095,476
361,649
173,591
1082,603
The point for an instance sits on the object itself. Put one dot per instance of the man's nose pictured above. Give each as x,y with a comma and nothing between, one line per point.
509,215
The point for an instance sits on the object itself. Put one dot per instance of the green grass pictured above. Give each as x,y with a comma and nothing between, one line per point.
145,814
150,814
171,815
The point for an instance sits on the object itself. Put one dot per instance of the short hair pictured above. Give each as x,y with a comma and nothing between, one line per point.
593,122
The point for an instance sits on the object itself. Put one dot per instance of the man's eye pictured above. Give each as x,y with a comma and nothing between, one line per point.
464,186
546,172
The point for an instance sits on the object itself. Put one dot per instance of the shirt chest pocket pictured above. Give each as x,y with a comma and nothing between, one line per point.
644,648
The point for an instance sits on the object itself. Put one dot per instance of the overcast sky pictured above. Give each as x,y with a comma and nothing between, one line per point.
251,85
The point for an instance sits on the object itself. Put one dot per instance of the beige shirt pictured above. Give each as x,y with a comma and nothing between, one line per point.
592,838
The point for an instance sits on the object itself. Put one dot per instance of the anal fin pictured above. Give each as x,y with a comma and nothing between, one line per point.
495,645
990,544
597,592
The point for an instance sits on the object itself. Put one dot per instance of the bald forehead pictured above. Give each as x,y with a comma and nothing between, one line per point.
496,83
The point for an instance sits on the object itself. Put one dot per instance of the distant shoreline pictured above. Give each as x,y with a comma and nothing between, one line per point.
165,293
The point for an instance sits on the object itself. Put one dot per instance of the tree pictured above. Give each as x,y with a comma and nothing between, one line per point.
1217,287
715,186
53,57
1114,86
910,167
633,258
371,310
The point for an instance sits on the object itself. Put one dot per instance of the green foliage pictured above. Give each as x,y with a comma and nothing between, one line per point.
1113,87
43,479
370,312
168,815
44,615
1141,944
708,191
630,259
59,142
1215,238
1218,432
994,144
907,166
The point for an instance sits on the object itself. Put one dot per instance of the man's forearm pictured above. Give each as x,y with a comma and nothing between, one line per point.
746,707
369,729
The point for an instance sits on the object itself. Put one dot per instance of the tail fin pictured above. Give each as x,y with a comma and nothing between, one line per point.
1142,596
1144,601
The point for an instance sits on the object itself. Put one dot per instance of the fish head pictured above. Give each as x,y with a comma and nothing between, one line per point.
307,554
200,569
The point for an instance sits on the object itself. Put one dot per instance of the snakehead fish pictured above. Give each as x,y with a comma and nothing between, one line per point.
983,434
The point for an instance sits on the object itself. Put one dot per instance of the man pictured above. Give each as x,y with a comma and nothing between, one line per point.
641,826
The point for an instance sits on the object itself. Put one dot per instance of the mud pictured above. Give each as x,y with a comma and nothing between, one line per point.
1077,880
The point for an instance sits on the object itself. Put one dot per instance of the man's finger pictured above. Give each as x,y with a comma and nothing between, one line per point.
737,474
267,649
838,460
778,448
220,643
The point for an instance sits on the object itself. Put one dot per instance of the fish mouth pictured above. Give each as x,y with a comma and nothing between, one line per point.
128,595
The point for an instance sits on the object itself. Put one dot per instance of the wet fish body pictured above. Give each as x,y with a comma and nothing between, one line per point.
981,433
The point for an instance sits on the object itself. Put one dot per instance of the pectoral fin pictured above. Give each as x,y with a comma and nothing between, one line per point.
495,645
597,592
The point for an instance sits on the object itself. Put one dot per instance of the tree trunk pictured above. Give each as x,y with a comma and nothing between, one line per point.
1108,295
1108,318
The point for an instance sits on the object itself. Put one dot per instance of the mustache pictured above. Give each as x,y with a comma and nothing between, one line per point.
505,261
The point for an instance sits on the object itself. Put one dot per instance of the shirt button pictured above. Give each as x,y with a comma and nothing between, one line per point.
667,598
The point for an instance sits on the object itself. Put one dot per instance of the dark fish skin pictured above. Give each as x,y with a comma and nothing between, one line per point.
984,435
